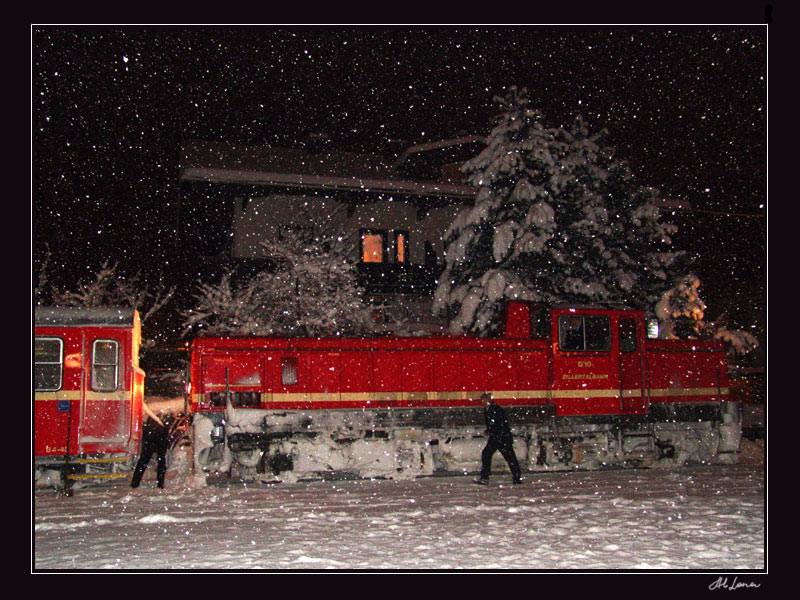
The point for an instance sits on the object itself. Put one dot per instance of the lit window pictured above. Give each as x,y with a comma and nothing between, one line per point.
375,246
372,247
400,243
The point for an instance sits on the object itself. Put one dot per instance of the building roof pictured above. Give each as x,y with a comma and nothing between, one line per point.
217,162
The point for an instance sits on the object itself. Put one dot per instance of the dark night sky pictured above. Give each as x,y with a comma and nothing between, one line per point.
686,106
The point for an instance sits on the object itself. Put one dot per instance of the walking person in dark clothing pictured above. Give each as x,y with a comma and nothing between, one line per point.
500,438
155,440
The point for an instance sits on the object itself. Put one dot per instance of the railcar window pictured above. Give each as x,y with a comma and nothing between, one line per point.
289,371
580,333
48,363
105,365
627,335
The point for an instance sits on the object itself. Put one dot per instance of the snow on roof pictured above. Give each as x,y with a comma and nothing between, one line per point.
79,316
439,145
234,157
215,162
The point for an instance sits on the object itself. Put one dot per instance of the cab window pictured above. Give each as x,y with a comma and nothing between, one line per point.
627,335
582,333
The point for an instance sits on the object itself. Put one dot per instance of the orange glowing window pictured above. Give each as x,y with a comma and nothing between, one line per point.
372,248
400,246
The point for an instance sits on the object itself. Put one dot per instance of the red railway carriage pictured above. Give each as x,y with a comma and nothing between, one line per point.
88,391
584,388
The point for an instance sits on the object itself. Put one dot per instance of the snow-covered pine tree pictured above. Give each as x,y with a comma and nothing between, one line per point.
647,244
311,290
556,219
511,218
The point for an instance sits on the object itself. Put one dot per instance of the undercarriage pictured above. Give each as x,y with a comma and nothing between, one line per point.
267,445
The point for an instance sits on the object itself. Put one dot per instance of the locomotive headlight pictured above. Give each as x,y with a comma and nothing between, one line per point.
652,329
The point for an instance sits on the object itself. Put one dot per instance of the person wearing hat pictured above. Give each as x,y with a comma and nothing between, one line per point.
500,438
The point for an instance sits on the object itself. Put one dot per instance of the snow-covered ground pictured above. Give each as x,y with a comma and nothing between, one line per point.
696,518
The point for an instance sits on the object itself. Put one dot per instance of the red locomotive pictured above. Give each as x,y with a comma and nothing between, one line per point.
583,389
88,392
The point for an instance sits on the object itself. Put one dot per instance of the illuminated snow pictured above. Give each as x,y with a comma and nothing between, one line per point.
698,518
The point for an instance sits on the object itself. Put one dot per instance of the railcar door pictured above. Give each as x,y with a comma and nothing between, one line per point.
631,365
105,410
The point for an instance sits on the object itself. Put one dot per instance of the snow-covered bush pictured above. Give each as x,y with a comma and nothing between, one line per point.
108,286
310,290
739,342
681,312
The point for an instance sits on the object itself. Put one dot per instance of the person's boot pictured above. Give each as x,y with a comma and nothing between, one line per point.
482,481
